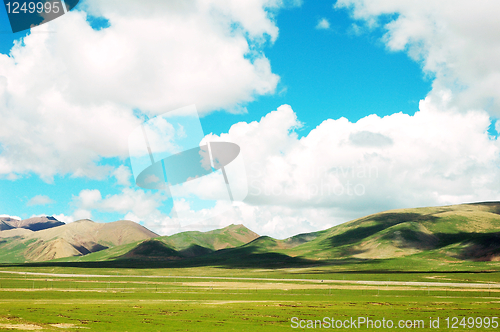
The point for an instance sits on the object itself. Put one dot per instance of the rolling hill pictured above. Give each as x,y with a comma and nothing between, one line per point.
36,223
33,224
183,245
75,239
466,232
227,237
453,234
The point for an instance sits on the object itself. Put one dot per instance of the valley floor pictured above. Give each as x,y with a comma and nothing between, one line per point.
215,299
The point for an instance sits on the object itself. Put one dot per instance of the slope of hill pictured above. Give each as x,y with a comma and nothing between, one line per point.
299,239
466,231
15,232
35,223
457,233
178,246
74,239
454,233
4,225
152,249
84,232
227,237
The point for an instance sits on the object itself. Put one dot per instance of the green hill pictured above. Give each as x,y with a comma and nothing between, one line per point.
227,237
419,238
178,246
78,238
467,232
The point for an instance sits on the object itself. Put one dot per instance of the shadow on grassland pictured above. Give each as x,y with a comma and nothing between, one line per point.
391,272
237,258
380,222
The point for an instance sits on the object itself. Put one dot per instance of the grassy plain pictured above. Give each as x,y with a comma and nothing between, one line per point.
408,265
223,299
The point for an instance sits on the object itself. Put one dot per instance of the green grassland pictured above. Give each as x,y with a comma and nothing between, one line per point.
215,299
409,264
12,250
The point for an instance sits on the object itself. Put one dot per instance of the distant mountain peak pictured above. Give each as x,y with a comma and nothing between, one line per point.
34,223
73,239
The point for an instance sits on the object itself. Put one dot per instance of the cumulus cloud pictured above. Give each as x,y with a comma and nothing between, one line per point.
277,221
70,98
368,138
323,24
40,200
339,171
122,175
456,41
8,216
144,206
345,170
434,157
65,219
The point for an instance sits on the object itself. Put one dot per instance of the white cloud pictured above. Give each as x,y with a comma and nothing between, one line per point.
277,221
323,24
456,41
356,29
8,216
70,103
87,199
122,175
343,170
40,200
81,214
139,202
65,219
337,172
67,98
143,206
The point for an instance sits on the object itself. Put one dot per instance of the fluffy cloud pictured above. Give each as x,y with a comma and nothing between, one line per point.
67,99
277,221
342,170
40,200
323,24
122,175
456,41
144,206
338,171
65,219
8,216
434,157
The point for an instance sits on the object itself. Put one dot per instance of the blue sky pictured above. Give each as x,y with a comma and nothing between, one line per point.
395,87
333,73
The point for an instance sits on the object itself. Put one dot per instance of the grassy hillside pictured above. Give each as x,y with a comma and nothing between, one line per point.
421,238
227,237
182,245
467,232
75,239
12,249
418,239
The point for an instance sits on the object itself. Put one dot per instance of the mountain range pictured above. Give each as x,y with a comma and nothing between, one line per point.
33,224
45,238
466,232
